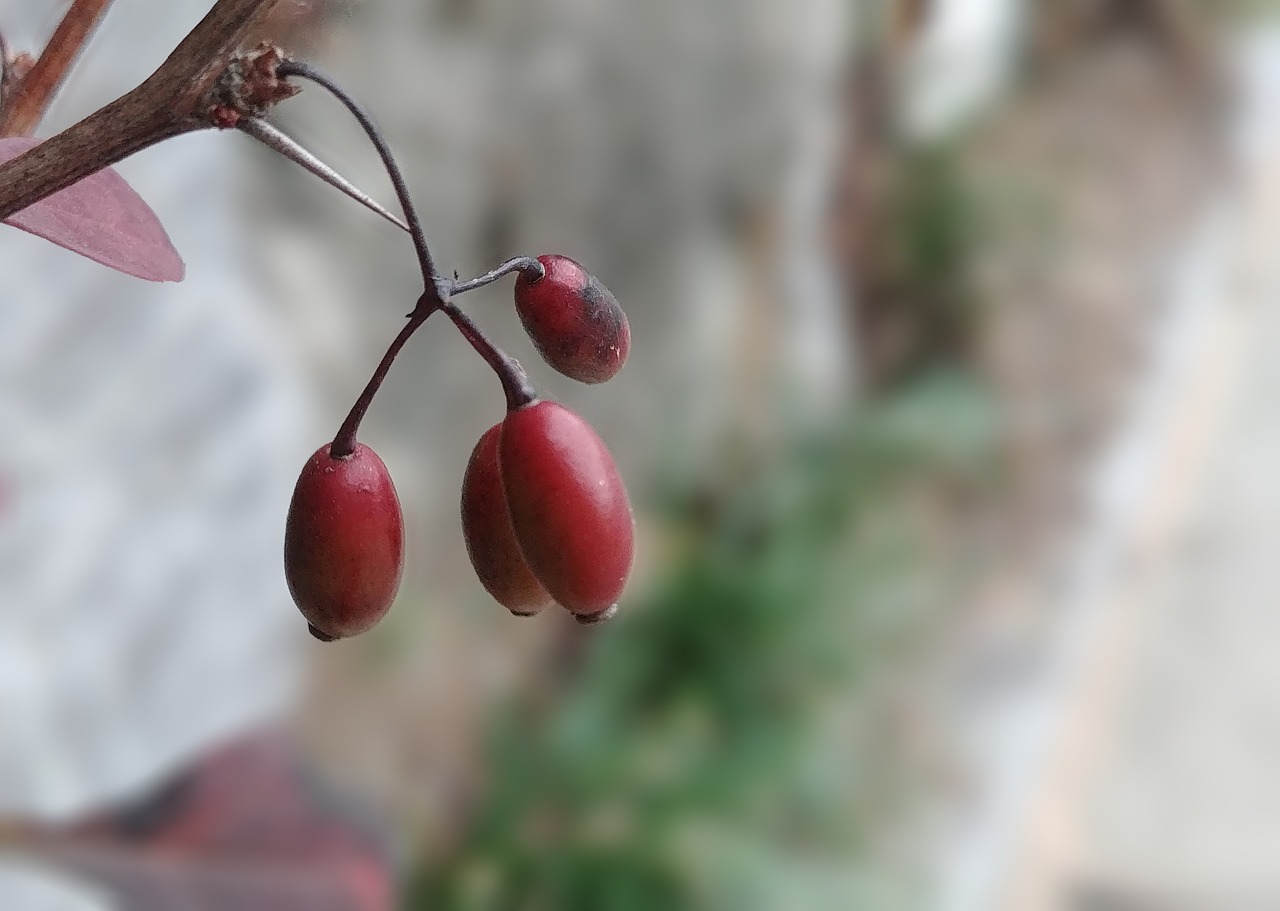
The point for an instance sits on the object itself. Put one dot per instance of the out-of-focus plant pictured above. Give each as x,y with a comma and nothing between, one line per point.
932,228
698,755
909,271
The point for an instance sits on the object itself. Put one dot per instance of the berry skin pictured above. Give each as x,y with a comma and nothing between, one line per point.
574,321
344,542
491,542
569,508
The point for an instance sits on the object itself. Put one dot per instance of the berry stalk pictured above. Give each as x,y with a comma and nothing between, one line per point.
515,382
344,442
528,266
437,290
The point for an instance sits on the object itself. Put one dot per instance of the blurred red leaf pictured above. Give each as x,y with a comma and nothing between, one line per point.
102,218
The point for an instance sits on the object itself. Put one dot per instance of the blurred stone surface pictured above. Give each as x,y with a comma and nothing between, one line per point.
153,433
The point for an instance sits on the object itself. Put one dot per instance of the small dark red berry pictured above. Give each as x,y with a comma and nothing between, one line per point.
569,508
344,542
491,542
574,321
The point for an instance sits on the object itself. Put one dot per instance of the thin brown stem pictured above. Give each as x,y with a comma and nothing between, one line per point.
344,441
437,289
24,111
173,100
529,265
515,382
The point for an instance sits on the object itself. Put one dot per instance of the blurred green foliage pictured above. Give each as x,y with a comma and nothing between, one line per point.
697,753
933,220
930,231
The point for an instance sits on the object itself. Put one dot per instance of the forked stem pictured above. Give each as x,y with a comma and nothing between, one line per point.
437,292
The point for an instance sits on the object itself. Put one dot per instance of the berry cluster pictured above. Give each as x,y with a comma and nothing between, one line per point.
545,514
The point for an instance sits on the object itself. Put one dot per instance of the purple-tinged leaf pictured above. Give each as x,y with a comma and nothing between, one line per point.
100,217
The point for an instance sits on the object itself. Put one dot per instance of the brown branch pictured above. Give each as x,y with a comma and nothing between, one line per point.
173,100
23,113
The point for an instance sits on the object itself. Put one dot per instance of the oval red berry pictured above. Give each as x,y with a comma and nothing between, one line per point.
344,542
574,321
569,508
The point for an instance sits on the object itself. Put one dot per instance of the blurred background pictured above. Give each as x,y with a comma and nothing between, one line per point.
947,422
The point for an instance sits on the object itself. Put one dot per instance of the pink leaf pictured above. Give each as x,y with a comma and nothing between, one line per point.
100,217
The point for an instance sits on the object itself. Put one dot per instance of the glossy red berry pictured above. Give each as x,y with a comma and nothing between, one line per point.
491,542
344,542
569,508
574,321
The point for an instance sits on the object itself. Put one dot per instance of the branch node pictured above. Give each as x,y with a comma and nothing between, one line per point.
249,86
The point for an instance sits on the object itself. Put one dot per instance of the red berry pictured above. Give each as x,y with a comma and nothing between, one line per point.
344,542
569,508
574,321
491,542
